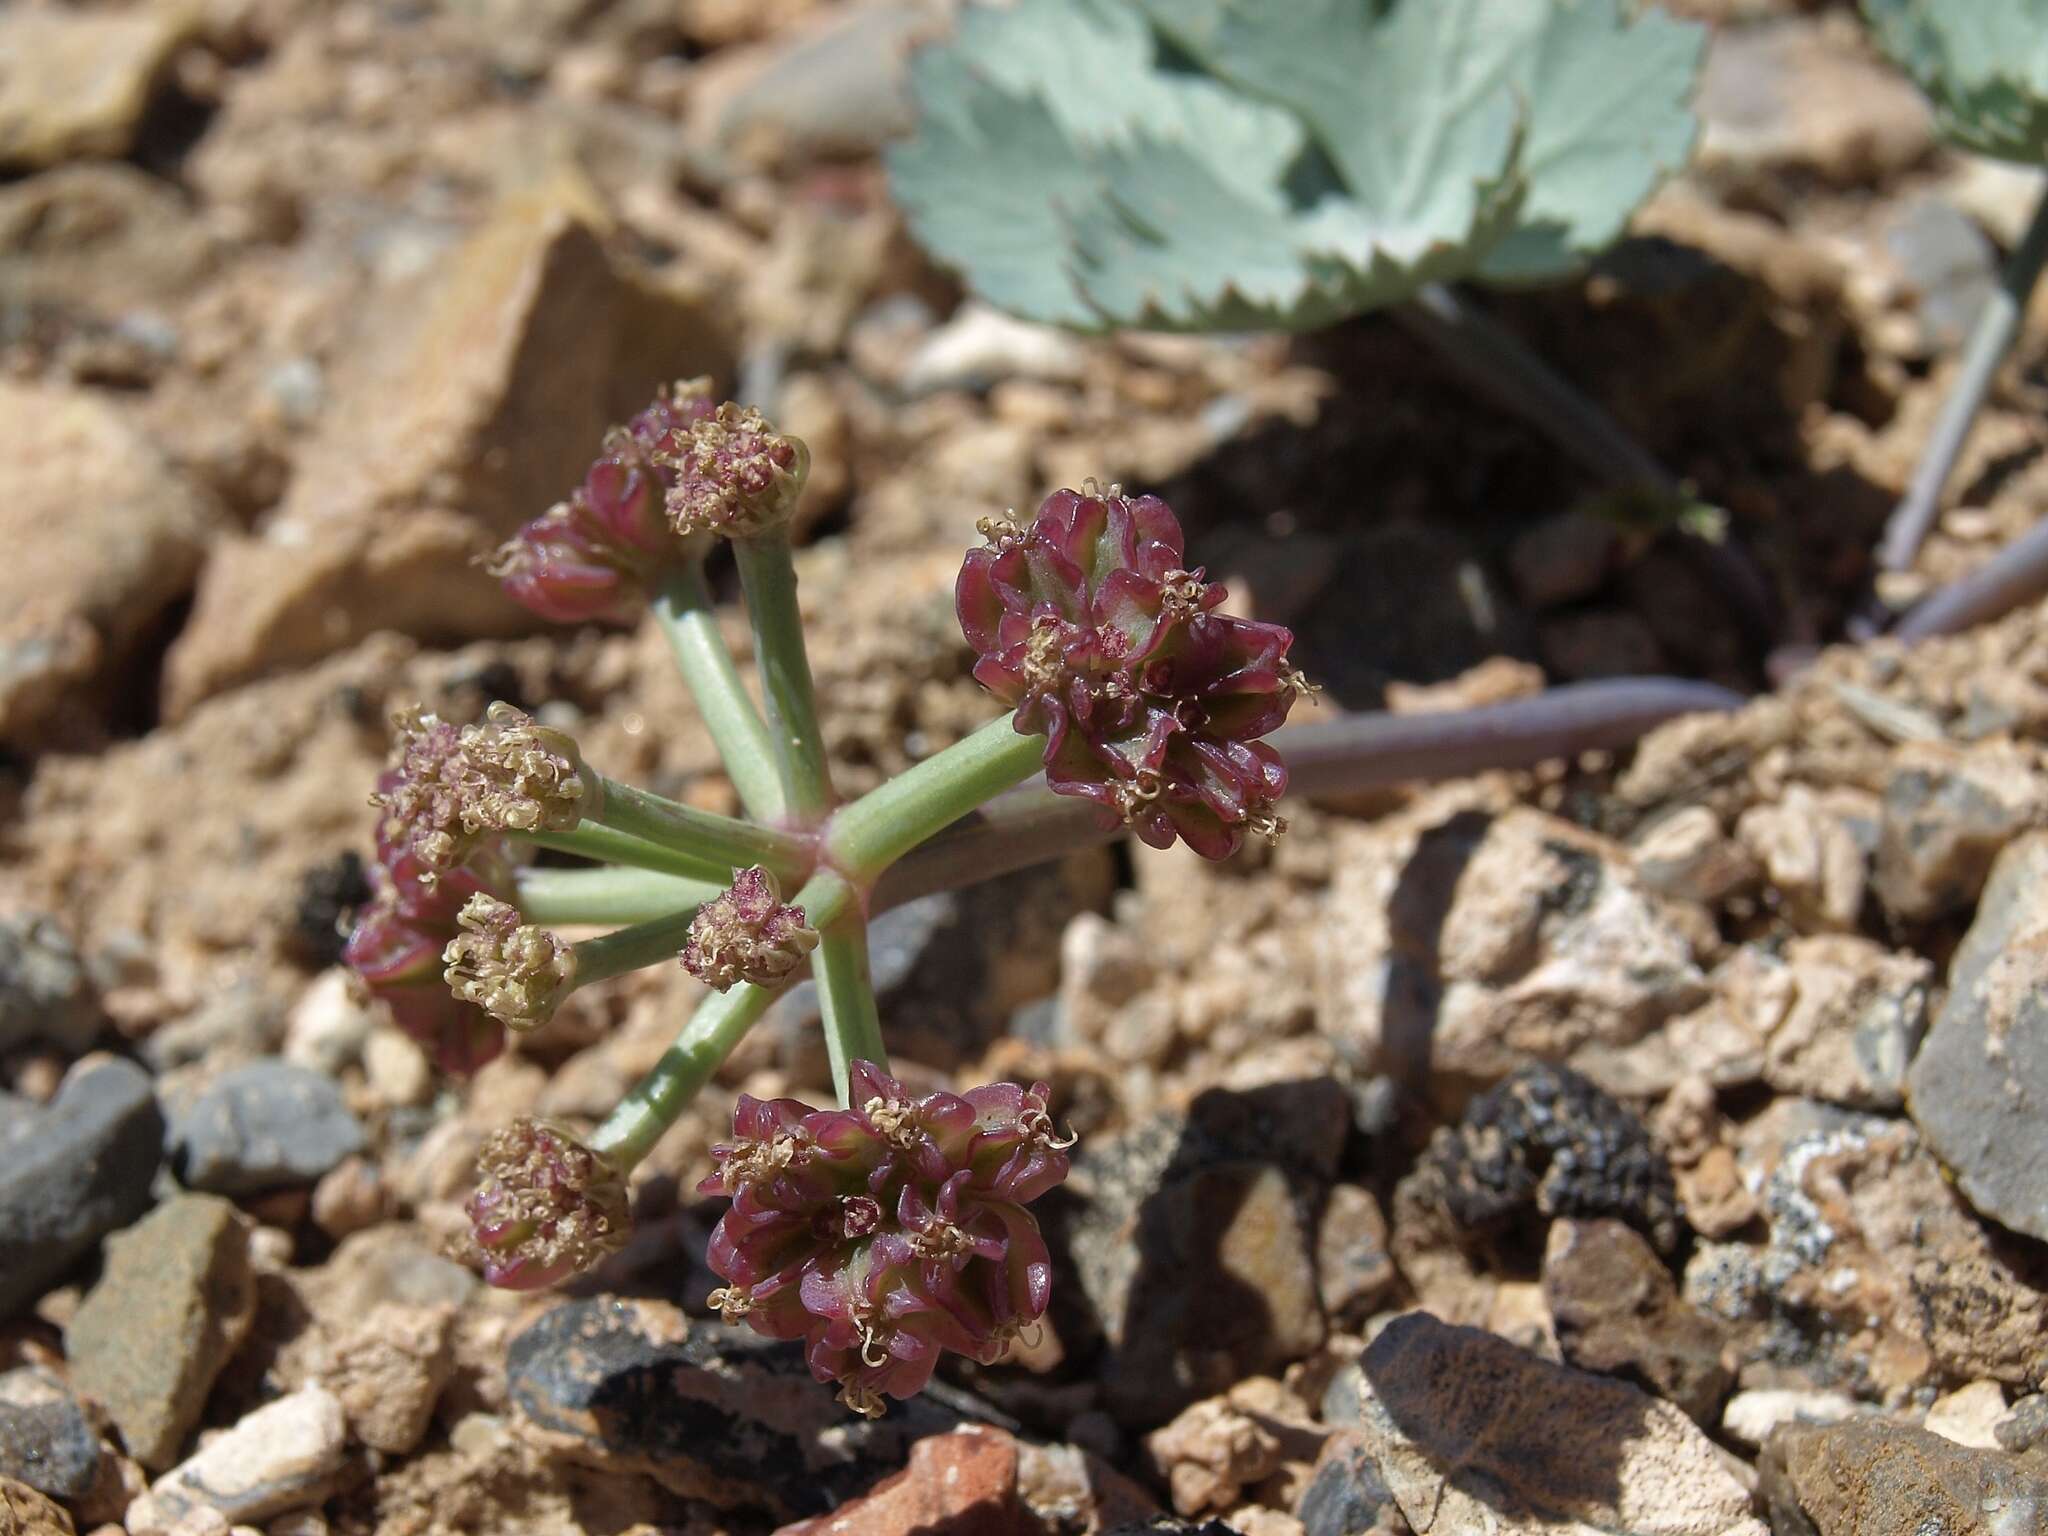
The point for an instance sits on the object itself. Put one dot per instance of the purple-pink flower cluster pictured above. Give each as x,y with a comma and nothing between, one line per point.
548,1207
397,944
597,555
887,1232
1090,624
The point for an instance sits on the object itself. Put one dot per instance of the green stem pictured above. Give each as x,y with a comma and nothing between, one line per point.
634,948
875,831
720,844
846,994
720,1023
683,609
608,845
770,581
553,897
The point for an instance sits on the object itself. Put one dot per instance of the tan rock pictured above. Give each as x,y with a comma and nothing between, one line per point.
1872,1478
24,1512
1855,1018
1616,1309
477,397
1969,1415
76,83
102,536
389,1373
285,1454
1808,850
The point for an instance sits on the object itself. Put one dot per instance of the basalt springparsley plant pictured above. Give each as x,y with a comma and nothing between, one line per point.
895,1226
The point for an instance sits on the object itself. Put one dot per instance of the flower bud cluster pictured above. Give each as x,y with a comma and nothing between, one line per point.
747,934
1089,623
517,972
597,555
733,474
683,466
449,788
548,1207
887,1232
397,945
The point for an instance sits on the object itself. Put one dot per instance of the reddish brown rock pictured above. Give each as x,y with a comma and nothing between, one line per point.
965,1481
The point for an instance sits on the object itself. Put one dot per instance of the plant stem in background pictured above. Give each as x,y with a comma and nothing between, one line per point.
1031,824
683,609
770,581
720,844
1494,362
1996,330
555,897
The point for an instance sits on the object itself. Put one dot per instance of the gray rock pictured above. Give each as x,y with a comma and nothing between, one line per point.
175,1301
43,990
1975,1087
1192,1243
1346,1496
82,1169
1949,266
242,1021
1948,812
262,1126
2026,1426
708,1412
837,87
1871,1477
1782,94
45,1439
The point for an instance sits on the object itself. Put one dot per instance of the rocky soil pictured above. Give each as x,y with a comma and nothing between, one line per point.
1653,1142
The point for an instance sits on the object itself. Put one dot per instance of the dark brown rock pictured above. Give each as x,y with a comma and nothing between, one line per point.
1192,1242
707,1411
1616,1310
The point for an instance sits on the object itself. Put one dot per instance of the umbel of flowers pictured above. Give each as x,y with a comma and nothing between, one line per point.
895,1227
886,1232
1090,624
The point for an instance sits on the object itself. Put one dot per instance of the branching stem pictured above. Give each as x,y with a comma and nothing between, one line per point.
716,844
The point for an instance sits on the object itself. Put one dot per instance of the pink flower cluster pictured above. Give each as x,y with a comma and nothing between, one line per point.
887,1232
597,555
396,950
1089,624
548,1207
